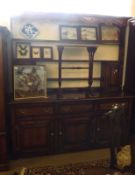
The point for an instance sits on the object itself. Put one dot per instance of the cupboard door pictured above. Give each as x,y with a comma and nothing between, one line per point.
74,133
112,126
102,131
111,76
34,137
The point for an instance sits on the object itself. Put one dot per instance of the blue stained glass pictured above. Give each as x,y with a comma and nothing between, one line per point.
30,31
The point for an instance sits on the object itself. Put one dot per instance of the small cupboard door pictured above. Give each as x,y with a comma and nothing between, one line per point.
74,132
102,130
111,76
34,137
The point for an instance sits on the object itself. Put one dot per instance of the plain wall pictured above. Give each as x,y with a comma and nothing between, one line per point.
133,8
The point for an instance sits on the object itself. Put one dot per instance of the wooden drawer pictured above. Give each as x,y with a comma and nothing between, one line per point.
34,110
108,106
76,108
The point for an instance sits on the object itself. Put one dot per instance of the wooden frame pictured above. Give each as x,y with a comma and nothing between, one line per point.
23,50
29,82
109,33
35,52
47,53
88,33
68,33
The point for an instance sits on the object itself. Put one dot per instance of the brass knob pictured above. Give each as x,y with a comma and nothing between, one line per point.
60,133
115,71
115,106
52,134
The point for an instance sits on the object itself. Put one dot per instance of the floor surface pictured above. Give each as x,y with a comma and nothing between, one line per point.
61,159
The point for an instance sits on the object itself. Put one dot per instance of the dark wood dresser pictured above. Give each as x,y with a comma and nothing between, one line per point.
63,125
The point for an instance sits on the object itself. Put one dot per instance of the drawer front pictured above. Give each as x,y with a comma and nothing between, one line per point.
107,106
76,108
34,110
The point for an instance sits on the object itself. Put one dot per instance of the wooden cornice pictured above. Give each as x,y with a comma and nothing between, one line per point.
84,19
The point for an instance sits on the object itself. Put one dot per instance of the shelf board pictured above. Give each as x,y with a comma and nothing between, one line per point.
81,60
60,43
77,44
74,67
73,79
31,60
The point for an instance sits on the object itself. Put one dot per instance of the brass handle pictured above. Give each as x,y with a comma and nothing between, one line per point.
52,134
60,133
115,106
115,71
98,129
22,112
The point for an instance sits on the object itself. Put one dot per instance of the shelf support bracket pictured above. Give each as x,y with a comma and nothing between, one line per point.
91,51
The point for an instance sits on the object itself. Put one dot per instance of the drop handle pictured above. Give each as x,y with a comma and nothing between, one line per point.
60,133
52,134
115,71
22,112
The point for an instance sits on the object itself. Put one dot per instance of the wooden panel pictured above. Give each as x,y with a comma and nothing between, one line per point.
34,137
110,105
111,76
102,130
76,132
114,75
76,108
33,110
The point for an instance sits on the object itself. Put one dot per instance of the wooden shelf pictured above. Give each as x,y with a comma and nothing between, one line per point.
74,79
33,61
68,43
74,67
